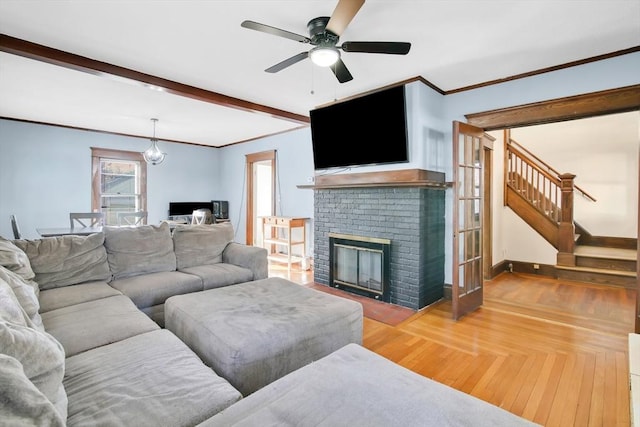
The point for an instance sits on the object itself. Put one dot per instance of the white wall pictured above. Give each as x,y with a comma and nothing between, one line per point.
603,154
513,239
45,173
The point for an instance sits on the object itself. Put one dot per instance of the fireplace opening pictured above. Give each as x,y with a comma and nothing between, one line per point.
360,265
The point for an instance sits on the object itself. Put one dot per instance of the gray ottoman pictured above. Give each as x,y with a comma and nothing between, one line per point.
253,333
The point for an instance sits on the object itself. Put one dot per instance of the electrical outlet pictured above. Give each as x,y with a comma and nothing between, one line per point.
536,266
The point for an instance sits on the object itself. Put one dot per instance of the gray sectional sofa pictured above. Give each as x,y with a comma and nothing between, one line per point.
82,341
81,337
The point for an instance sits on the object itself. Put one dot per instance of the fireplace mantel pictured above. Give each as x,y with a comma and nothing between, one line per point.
395,178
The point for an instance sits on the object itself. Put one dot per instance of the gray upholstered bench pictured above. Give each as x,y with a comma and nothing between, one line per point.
253,333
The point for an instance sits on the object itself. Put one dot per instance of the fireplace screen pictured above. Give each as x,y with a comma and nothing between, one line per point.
360,265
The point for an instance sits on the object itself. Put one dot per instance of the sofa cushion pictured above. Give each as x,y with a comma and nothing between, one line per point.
151,379
132,251
252,257
354,386
201,244
14,259
21,403
156,313
10,308
25,294
153,289
53,299
41,355
92,324
221,274
66,260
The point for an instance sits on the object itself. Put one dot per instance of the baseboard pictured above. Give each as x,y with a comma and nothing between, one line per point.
523,267
447,291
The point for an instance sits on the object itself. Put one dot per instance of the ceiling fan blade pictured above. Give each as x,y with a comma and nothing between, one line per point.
342,15
340,70
287,62
252,25
394,48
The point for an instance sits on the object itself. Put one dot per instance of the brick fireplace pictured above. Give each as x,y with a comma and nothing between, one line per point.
407,208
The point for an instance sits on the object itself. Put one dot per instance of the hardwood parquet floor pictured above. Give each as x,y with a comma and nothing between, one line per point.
552,351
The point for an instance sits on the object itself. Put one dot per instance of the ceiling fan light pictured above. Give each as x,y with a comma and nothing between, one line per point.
324,56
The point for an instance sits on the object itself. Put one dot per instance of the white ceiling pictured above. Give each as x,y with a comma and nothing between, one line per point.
455,43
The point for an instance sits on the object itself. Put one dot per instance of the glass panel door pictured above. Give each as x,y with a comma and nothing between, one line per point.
467,292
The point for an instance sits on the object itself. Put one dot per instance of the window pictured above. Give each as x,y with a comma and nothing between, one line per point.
118,184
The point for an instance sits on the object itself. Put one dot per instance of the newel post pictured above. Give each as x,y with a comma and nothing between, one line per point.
566,231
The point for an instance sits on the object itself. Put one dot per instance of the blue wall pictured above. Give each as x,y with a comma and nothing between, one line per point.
45,170
294,166
45,173
430,117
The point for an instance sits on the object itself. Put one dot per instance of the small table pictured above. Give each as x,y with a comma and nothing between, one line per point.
273,240
66,231
253,333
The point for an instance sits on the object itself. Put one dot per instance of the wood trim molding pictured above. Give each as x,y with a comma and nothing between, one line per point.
61,58
547,69
128,135
569,108
395,178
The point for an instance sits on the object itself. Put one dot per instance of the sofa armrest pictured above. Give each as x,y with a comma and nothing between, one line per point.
251,257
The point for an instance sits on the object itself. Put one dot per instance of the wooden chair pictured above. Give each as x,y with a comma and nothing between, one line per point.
93,219
202,216
16,229
132,218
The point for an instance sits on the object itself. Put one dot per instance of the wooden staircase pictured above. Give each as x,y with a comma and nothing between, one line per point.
604,265
543,198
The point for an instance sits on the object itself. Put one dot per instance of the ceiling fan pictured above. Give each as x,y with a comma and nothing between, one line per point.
324,33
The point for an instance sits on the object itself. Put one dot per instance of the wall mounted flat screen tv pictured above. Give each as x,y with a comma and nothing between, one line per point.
371,129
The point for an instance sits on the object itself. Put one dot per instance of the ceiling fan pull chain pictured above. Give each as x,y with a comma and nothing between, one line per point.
313,81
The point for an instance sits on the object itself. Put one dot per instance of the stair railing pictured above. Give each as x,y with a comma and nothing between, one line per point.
544,166
546,190
536,185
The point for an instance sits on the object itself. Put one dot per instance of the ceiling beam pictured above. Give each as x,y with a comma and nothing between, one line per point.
61,58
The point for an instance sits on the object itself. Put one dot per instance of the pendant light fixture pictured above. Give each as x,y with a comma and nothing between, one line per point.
153,154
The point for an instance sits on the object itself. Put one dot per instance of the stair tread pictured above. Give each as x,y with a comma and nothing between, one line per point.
604,252
598,270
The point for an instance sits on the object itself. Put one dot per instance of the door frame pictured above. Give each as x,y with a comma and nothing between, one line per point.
611,101
487,202
250,159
